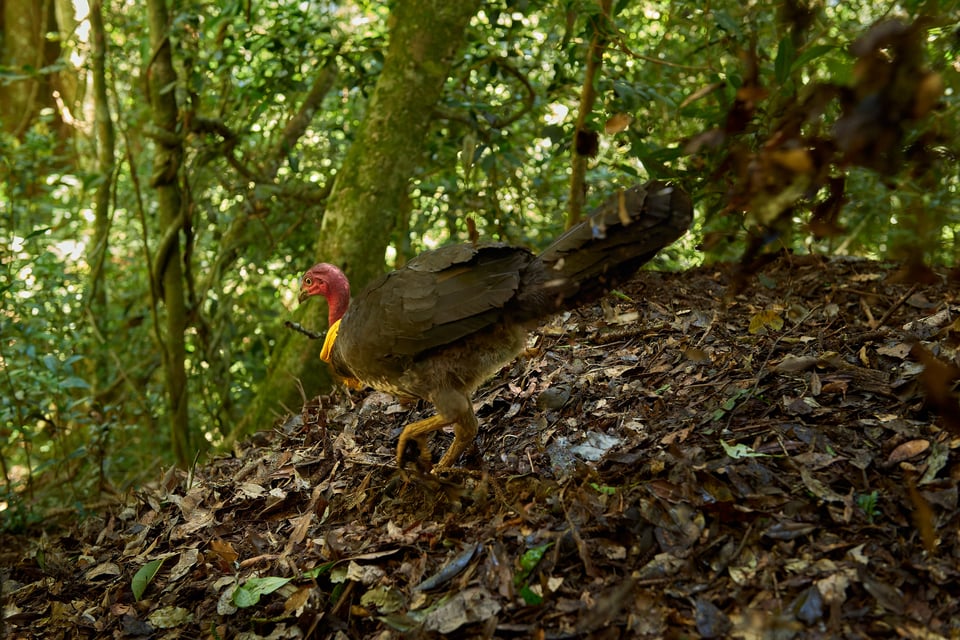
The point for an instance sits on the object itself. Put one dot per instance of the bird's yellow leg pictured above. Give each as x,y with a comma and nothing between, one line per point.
418,431
453,407
463,435
457,406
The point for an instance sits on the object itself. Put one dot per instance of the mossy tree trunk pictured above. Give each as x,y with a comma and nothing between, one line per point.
167,269
106,148
372,183
35,77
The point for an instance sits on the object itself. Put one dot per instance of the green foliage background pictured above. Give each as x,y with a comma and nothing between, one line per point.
499,153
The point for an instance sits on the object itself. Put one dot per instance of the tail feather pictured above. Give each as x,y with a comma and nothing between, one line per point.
607,248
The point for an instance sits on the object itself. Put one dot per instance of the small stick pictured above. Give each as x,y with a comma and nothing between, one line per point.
897,305
296,326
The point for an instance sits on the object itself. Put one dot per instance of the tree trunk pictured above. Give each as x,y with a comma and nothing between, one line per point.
372,183
585,141
106,143
25,49
167,268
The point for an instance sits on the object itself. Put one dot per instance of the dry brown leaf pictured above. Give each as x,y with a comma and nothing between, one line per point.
899,351
224,550
104,569
793,364
185,563
815,385
767,319
297,599
836,386
818,488
617,123
923,516
696,355
908,450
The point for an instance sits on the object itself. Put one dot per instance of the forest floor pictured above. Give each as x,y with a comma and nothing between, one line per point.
684,460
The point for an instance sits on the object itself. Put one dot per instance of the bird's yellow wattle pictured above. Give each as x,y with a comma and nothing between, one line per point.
329,340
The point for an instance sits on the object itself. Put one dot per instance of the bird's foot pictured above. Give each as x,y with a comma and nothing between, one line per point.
414,449
418,432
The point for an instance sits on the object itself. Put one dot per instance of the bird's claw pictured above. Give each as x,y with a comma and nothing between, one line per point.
424,462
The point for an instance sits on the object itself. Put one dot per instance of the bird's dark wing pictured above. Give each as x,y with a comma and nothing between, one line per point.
437,298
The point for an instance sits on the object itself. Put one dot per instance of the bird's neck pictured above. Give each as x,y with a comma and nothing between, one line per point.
338,297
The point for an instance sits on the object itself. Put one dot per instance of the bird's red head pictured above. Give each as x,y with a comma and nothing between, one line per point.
328,281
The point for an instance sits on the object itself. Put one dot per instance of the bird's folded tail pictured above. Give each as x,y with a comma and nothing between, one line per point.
609,246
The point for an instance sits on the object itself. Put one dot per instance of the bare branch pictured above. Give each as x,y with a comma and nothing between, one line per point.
296,326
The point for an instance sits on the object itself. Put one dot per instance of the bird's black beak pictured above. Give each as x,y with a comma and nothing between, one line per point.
304,294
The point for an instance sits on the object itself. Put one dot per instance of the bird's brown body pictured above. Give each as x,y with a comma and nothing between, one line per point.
451,318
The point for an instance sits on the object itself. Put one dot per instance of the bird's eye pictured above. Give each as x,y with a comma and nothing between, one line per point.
308,281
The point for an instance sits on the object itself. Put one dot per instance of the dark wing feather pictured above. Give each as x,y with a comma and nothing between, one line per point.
608,247
438,298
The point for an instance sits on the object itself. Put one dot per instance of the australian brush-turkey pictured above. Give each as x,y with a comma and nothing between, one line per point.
450,318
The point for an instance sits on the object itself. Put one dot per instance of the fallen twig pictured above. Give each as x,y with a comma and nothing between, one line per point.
296,326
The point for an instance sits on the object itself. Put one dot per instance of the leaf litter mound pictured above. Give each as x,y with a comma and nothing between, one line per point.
681,460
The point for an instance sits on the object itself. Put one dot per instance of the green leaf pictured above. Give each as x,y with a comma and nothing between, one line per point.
50,362
248,594
786,53
529,561
811,54
37,232
72,359
532,557
144,576
530,596
604,489
868,504
738,451
727,23
73,382
318,570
